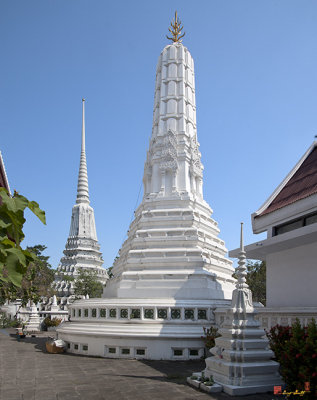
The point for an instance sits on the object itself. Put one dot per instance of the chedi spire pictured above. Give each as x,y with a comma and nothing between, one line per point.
82,247
82,187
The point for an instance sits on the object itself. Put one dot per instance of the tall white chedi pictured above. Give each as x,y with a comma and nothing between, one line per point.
82,248
172,272
173,249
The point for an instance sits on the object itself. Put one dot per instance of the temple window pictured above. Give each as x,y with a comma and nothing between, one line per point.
135,313
102,313
175,313
189,313
112,350
94,312
178,352
85,312
149,313
202,314
295,224
162,313
112,313
124,313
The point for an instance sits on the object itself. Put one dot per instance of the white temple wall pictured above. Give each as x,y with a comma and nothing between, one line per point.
291,277
160,349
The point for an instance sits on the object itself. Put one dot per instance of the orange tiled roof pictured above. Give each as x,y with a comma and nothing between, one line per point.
302,184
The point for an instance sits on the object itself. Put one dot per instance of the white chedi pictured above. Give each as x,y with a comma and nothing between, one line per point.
242,361
173,249
172,271
82,249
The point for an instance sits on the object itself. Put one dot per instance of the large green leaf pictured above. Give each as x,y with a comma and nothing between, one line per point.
4,224
15,265
7,243
15,229
2,277
14,204
35,208
13,259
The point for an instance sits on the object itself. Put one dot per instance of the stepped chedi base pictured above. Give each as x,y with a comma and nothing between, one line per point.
82,249
172,270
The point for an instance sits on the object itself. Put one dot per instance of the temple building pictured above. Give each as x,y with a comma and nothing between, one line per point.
172,271
82,249
289,217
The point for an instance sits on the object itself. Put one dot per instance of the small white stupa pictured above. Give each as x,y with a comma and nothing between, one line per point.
172,271
82,248
241,361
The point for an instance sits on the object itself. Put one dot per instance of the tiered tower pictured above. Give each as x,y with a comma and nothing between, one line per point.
173,249
241,361
172,271
82,248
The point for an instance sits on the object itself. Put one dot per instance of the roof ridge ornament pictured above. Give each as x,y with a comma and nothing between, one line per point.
176,30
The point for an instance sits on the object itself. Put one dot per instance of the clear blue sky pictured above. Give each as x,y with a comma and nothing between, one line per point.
256,94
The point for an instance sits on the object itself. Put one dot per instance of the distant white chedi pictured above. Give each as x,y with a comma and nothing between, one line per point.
172,271
82,249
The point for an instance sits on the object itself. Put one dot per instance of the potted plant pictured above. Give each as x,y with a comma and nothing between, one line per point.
52,323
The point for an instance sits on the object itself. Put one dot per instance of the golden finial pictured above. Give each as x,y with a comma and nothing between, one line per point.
176,30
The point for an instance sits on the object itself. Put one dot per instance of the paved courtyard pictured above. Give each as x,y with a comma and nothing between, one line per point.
28,372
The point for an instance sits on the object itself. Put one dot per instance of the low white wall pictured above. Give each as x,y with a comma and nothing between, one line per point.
291,277
272,316
153,349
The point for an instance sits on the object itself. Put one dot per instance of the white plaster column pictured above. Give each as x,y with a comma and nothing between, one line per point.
193,182
162,189
174,184
200,186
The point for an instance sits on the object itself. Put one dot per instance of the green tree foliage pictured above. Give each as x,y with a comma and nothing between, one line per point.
256,279
36,281
295,348
87,283
51,322
110,269
14,260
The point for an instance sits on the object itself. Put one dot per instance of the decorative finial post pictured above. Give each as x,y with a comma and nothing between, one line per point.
242,270
83,128
176,29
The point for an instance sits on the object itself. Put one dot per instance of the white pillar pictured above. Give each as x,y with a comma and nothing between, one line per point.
162,189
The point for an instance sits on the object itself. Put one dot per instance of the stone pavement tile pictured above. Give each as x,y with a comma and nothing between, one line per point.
10,392
43,376
47,396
